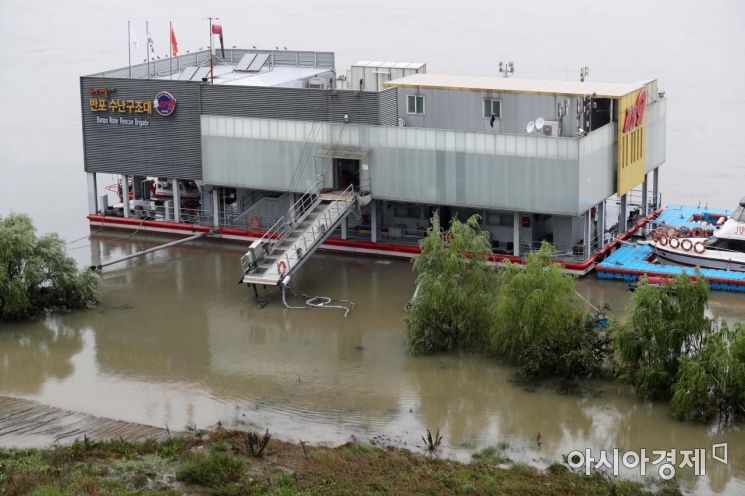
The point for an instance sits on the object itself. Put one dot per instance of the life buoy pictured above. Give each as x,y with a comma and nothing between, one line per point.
686,244
282,267
254,221
663,240
655,235
699,247
698,232
674,242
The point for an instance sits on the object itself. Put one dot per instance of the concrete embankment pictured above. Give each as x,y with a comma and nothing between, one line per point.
28,424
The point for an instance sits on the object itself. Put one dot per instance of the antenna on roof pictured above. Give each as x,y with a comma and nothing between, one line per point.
539,122
507,69
584,71
530,127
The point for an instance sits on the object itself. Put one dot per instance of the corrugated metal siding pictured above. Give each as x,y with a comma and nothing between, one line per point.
290,103
170,146
388,107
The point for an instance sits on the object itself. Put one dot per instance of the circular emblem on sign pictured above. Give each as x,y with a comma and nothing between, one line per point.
164,103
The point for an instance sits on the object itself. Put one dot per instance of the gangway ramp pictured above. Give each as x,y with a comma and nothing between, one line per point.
296,236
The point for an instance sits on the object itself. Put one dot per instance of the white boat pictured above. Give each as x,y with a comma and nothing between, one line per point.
725,249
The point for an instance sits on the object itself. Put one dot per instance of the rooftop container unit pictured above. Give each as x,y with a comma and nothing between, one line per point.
372,76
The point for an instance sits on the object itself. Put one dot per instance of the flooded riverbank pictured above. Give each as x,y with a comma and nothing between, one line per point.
178,342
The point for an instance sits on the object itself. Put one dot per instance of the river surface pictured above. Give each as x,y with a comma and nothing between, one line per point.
177,342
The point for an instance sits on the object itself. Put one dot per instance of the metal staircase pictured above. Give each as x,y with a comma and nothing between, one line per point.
296,236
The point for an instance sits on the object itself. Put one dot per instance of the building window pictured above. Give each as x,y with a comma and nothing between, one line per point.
415,104
407,210
492,107
498,219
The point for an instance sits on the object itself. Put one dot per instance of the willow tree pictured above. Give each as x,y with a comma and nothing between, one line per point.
37,275
452,308
665,324
540,324
710,384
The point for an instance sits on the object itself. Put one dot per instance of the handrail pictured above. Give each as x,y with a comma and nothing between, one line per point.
284,225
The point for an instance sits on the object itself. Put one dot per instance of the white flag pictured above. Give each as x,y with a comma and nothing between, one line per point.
150,40
133,38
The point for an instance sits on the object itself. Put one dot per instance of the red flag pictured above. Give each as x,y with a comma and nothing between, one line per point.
217,29
174,44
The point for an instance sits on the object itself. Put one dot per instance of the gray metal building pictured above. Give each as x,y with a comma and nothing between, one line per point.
273,124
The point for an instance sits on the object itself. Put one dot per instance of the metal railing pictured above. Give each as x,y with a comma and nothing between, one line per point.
279,231
320,227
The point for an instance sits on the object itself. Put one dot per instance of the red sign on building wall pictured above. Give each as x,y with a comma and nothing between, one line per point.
635,113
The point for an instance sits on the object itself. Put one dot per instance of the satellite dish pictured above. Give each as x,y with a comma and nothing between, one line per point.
530,127
539,122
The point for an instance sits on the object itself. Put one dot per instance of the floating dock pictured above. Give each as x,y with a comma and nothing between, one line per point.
688,217
630,261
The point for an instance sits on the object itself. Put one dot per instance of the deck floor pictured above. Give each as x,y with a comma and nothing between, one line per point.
28,424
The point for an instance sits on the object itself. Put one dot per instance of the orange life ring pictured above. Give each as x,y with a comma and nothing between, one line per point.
686,244
696,247
254,221
676,241
282,267
655,235
664,240
697,232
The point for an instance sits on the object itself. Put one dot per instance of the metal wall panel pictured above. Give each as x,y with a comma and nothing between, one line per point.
656,134
167,146
597,167
463,110
526,173
388,107
292,103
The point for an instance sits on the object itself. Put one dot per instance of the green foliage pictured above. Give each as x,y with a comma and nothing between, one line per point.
214,470
711,383
540,325
665,323
37,275
453,306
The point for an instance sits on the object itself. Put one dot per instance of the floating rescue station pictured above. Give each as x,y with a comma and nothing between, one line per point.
277,145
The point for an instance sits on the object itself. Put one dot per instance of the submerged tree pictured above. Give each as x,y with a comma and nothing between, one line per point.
540,325
665,324
453,306
37,275
711,383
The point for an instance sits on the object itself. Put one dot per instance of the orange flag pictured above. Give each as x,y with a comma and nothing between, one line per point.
174,44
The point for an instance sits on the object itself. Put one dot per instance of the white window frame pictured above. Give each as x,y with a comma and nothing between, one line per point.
492,100
424,105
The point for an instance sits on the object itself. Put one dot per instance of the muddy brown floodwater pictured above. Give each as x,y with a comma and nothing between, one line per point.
178,342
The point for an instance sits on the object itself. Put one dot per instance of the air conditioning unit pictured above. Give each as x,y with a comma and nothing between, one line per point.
401,122
317,83
551,128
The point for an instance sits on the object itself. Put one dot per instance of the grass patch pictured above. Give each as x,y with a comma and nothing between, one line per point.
214,470
219,463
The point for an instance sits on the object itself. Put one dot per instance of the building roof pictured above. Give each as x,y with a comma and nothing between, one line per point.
393,65
512,85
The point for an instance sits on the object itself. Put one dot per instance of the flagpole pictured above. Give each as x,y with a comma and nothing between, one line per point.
170,49
147,48
129,46
212,70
